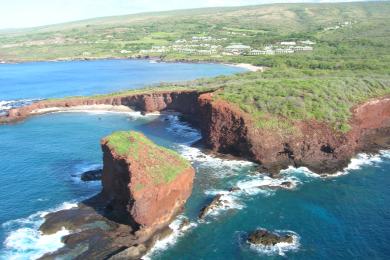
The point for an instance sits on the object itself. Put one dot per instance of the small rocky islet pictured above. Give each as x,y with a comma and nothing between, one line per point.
92,175
145,186
266,238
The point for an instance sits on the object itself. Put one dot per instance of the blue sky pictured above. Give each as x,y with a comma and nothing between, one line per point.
29,13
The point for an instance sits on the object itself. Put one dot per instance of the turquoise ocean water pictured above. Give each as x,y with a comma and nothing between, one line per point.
343,217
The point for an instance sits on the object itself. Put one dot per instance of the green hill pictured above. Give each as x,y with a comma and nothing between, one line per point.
125,36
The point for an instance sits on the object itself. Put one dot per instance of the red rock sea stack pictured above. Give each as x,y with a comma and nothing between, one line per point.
146,185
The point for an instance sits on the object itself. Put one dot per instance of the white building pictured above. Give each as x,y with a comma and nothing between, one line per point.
303,48
181,41
307,42
257,52
288,43
237,48
283,51
262,52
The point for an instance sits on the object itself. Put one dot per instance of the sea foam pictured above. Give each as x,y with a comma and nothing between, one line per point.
280,248
178,127
6,105
79,169
177,232
25,241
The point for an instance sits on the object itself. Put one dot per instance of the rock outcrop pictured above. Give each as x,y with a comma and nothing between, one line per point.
93,175
266,238
217,202
144,187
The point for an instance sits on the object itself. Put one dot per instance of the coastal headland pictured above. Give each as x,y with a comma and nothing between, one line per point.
228,129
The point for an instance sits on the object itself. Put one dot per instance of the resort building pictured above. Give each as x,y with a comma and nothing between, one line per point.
288,43
283,51
303,48
237,48
307,42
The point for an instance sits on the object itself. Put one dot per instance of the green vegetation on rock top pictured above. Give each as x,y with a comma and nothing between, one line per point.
276,98
148,90
161,164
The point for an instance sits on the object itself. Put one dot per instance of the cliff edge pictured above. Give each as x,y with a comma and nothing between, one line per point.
144,182
313,144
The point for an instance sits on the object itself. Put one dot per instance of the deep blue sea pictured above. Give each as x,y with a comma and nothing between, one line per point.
343,217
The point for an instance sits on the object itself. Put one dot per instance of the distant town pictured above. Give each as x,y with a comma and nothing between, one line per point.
207,45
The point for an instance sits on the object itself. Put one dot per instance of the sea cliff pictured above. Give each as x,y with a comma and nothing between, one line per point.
146,183
227,129
315,145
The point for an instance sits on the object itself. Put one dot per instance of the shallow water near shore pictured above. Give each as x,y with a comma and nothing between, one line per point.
22,83
342,217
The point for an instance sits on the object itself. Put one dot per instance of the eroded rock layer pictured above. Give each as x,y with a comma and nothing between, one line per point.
227,129
146,185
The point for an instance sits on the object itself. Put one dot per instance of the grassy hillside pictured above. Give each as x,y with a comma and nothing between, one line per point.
349,63
255,26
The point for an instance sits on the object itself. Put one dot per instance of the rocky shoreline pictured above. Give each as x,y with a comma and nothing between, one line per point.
100,226
247,66
227,129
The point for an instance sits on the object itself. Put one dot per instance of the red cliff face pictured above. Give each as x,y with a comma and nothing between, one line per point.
227,129
147,186
180,101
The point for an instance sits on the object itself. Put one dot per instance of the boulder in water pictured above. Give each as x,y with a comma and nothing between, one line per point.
267,238
215,203
94,175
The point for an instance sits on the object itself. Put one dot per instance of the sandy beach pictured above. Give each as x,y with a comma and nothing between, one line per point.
86,108
248,66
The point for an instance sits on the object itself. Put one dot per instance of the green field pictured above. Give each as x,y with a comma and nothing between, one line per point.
161,164
350,62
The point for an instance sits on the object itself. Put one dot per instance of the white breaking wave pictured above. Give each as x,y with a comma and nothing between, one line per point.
28,243
357,162
25,241
131,114
221,166
267,185
360,161
228,200
84,167
280,248
9,104
250,186
181,128
170,240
